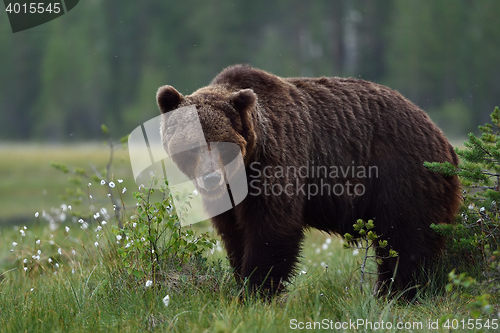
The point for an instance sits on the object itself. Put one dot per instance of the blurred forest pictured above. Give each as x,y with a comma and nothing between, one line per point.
103,61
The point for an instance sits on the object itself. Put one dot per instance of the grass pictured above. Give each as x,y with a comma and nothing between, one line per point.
89,291
96,297
28,182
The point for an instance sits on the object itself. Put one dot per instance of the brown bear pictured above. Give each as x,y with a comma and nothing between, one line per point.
322,153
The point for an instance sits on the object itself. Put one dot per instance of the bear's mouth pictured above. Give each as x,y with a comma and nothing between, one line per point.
211,185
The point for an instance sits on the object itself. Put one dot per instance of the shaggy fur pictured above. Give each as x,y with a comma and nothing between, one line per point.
324,122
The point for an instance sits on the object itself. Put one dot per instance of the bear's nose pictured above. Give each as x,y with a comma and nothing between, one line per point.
211,180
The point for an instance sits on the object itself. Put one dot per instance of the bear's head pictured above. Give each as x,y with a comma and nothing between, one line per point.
227,129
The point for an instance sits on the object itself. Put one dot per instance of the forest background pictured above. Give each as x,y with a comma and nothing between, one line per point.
103,61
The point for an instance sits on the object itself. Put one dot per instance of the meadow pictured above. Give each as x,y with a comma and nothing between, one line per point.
66,279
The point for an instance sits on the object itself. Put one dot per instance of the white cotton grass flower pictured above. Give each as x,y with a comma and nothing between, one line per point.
49,260
38,241
111,184
103,182
37,214
14,244
59,251
99,228
120,181
355,252
149,283
22,233
124,190
104,222
90,184
166,300
97,215
96,244
67,229
25,261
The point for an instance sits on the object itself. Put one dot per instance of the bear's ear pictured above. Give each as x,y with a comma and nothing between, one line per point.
243,99
168,98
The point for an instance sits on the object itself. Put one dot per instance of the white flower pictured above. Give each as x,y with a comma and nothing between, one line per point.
149,283
195,192
104,222
120,181
25,228
25,269
37,214
103,182
471,206
14,243
74,252
56,265
25,261
141,187
127,246
99,228
328,240
124,190
73,271
39,252
49,260
81,221
51,242
64,207
67,229
22,233
90,196
109,195
355,252
111,184
96,244
59,251
90,184
97,215
118,237
143,239
166,300
38,242
134,224
85,225
482,209
324,246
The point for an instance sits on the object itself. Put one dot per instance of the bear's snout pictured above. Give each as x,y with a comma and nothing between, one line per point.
211,180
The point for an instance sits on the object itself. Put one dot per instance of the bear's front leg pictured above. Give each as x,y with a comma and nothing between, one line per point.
232,238
271,253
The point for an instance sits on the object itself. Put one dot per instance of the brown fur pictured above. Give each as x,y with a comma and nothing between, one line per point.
329,122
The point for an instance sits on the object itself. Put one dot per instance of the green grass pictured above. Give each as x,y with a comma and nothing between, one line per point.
28,182
89,291
96,297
